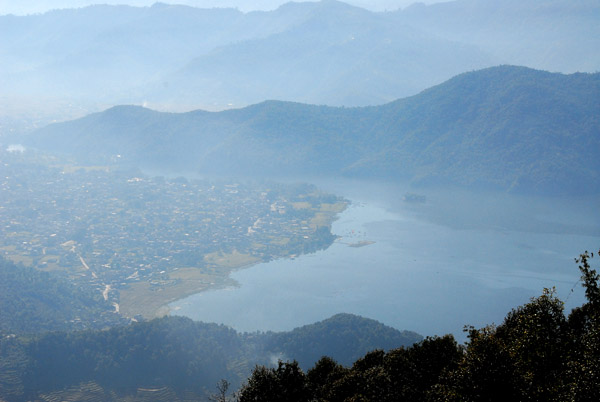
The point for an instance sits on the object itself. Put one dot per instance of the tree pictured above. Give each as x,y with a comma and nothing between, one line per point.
583,371
590,278
429,360
221,394
286,383
486,372
325,372
536,337
535,354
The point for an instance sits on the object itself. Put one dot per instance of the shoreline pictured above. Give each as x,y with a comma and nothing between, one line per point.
198,282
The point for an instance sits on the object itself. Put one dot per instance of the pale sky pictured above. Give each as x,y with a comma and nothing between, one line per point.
21,7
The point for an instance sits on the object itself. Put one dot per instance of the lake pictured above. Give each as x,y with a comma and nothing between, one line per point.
432,267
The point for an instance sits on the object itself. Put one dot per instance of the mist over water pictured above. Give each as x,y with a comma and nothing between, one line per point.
458,259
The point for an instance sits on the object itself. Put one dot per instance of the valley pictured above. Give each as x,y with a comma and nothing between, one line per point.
318,201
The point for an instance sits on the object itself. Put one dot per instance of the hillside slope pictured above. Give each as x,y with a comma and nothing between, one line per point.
173,355
33,302
508,128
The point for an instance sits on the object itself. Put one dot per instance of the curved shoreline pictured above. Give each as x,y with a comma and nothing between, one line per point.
149,303
393,279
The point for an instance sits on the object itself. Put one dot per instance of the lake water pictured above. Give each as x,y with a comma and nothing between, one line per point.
427,270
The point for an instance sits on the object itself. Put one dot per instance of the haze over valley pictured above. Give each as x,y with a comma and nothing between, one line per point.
222,193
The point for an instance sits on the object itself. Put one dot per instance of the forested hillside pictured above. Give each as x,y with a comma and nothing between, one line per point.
508,128
173,354
333,336
33,301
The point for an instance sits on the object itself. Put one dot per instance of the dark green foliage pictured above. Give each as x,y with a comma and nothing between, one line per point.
583,367
175,353
590,278
400,374
486,372
536,337
423,365
583,371
286,383
33,301
324,373
13,361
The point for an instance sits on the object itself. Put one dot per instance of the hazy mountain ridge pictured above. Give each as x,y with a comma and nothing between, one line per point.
508,128
550,35
179,57
338,55
516,128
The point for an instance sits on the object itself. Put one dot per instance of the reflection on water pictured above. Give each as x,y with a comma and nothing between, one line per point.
411,272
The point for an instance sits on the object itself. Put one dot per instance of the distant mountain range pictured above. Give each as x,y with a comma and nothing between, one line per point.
327,52
509,128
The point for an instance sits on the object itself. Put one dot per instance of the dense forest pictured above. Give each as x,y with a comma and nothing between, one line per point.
174,353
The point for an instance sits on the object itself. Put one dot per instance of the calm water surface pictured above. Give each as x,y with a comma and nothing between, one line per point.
423,272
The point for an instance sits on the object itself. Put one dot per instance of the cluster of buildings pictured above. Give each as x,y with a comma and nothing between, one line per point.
111,228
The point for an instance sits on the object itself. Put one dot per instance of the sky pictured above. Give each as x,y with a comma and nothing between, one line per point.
22,7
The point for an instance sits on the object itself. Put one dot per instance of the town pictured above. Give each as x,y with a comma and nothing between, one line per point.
142,241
